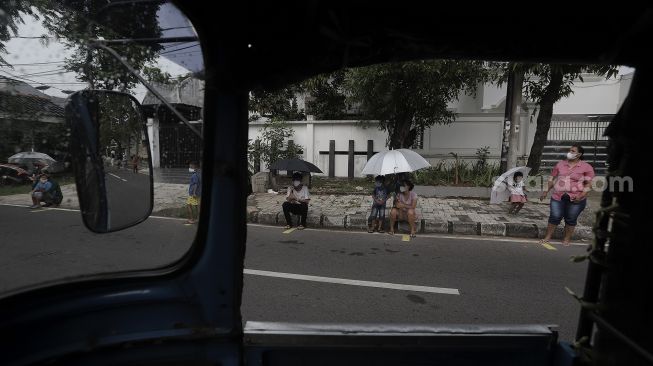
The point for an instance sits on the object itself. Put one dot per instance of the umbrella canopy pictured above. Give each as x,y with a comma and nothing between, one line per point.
500,192
31,155
395,161
297,165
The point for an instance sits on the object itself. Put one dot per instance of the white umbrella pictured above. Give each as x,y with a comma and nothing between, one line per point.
500,192
395,161
30,156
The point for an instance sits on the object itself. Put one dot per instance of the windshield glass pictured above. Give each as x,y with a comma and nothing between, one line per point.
44,58
418,192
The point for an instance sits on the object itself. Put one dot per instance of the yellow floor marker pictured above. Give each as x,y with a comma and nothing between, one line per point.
290,230
549,246
405,238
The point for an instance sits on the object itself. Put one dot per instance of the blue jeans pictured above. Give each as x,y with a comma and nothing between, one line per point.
378,212
567,209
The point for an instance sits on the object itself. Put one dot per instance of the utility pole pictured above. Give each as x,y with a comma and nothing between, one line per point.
518,80
510,133
505,135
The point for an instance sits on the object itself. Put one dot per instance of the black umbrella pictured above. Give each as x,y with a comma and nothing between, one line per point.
297,165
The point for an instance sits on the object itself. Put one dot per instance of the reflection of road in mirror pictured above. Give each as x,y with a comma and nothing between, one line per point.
128,196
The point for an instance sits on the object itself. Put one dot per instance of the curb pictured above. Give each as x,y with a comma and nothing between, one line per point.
359,222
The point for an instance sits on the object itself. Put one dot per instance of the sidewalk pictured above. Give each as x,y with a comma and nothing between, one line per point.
166,196
435,215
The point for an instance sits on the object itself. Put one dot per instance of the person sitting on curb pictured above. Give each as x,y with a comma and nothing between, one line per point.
54,196
404,208
39,190
297,198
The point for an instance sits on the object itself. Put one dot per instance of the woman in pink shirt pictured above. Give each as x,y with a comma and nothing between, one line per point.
404,208
570,180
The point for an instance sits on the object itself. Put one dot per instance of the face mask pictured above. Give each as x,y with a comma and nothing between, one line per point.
377,184
402,189
191,170
571,156
296,183
43,180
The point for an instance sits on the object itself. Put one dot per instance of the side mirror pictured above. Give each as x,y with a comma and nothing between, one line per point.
110,155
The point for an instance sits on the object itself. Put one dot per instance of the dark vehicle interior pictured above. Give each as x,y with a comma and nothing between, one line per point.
189,313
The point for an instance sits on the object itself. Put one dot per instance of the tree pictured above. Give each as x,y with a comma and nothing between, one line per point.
326,96
274,136
11,16
76,22
276,104
408,97
545,84
154,74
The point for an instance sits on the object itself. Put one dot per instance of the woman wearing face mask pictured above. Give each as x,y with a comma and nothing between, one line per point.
296,201
404,209
570,180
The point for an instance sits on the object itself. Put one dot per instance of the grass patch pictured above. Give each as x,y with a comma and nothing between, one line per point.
324,185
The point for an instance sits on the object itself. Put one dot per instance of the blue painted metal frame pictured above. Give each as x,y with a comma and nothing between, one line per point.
192,307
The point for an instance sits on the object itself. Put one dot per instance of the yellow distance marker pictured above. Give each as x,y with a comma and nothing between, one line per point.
405,238
549,246
290,230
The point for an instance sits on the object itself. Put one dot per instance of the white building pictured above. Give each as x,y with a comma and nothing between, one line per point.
479,123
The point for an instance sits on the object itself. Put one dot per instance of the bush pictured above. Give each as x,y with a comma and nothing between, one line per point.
469,174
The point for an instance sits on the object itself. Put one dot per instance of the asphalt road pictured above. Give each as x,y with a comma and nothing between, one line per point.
319,275
128,196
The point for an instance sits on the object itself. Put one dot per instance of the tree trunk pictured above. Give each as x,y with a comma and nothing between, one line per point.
551,95
401,136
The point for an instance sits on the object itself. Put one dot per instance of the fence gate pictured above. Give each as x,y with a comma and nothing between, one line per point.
585,131
178,146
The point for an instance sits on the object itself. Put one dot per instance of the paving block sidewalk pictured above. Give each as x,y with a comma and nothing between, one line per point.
435,215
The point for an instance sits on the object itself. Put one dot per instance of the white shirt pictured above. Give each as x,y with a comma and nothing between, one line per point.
302,194
516,188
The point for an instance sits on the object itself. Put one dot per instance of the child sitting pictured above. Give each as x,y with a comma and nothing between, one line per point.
517,190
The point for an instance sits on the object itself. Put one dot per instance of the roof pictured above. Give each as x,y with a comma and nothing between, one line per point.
20,101
294,40
189,91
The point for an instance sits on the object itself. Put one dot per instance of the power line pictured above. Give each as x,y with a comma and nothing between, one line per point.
179,49
35,63
36,82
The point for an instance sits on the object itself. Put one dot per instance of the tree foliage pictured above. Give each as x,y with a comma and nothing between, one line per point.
78,22
408,97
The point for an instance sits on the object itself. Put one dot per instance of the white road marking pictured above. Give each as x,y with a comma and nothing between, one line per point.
344,281
115,176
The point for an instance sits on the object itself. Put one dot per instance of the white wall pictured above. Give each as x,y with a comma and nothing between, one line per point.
314,136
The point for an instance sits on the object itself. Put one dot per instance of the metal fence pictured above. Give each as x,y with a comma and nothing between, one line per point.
577,130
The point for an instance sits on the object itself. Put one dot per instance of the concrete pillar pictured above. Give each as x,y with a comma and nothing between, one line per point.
350,161
332,158
310,143
153,136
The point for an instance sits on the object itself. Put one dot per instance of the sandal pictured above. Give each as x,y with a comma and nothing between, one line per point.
413,235
287,227
544,241
391,232
566,243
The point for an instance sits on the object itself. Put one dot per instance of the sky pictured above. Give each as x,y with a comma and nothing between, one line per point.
40,64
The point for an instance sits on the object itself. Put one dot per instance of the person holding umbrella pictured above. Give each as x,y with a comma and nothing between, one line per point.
297,198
